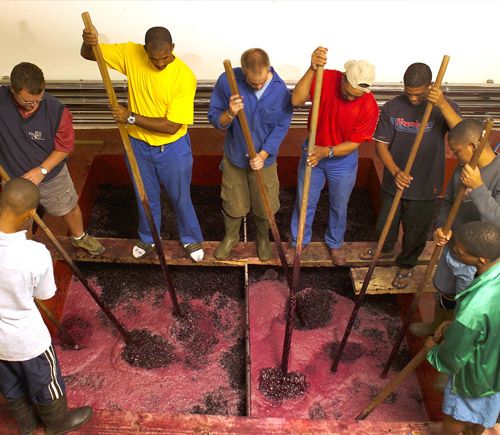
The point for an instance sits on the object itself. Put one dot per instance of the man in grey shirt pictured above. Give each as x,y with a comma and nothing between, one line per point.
481,203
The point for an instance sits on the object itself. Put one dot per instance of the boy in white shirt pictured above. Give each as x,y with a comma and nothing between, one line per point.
30,375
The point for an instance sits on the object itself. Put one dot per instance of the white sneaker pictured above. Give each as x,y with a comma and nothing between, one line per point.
194,250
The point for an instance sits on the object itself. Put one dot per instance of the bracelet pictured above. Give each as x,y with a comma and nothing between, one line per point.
228,114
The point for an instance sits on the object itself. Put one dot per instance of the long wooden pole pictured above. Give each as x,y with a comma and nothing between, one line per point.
389,388
264,197
290,318
5,176
390,218
438,249
136,174
50,315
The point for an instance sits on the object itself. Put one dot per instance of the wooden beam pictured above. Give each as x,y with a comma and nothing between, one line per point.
314,255
382,279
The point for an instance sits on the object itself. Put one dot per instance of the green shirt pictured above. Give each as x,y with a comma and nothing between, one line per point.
471,346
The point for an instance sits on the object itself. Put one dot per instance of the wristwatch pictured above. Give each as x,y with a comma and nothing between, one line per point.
131,118
43,170
330,152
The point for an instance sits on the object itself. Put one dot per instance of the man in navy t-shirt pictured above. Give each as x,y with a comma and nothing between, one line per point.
397,127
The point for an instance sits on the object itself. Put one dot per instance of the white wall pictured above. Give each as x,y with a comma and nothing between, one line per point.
391,34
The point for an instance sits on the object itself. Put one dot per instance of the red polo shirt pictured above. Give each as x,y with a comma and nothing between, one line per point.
342,120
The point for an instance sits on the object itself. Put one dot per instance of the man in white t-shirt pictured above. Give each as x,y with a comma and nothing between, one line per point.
30,375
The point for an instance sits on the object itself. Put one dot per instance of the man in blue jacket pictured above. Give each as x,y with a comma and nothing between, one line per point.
266,101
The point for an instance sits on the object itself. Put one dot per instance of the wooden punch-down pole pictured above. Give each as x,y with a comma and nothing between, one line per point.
136,174
5,176
436,254
391,386
290,319
390,218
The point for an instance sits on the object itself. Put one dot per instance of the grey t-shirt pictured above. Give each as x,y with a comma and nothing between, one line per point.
481,204
398,126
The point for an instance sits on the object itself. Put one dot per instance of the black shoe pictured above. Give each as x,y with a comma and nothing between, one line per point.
59,419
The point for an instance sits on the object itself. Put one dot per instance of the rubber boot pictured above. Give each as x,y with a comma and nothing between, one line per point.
264,249
59,419
24,413
422,329
232,236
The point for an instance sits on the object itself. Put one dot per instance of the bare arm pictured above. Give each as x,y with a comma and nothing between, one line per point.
159,125
303,87
90,38
53,159
437,98
402,181
342,149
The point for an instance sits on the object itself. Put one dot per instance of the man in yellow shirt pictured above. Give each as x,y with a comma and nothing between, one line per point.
161,91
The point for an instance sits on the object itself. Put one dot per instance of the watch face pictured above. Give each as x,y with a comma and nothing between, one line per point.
44,171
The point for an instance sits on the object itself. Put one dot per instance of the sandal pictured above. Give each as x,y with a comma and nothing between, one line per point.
370,253
195,251
142,249
402,279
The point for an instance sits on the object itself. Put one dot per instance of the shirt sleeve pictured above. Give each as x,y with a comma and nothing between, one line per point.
65,135
277,135
181,108
385,128
45,286
114,55
456,350
219,102
364,128
487,203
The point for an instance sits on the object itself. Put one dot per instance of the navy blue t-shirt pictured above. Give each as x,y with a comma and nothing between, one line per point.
398,126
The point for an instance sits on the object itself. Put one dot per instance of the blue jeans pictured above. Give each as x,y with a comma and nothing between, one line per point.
171,168
340,173
451,275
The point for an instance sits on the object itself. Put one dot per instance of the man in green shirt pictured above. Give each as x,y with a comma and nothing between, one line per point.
470,352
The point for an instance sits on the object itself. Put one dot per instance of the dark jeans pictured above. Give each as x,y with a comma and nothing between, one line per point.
416,217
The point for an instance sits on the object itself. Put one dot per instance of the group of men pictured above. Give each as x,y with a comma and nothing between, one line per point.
36,136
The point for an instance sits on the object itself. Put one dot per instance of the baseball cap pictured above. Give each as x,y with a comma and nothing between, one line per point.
360,74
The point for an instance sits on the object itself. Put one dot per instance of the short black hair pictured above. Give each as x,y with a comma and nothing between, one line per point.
254,60
19,195
480,239
466,131
417,74
27,76
156,37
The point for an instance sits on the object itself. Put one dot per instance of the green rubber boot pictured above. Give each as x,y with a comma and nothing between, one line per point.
59,419
422,329
264,249
232,236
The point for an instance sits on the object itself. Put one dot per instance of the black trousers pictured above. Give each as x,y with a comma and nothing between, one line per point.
416,217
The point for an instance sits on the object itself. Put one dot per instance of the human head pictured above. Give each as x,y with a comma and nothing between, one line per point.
477,243
357,79
256,66
417,80
463,139
159,47
19,197
27,85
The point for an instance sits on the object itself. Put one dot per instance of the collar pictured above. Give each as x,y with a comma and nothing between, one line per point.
19,235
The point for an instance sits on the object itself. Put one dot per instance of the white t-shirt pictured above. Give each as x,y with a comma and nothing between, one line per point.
25,273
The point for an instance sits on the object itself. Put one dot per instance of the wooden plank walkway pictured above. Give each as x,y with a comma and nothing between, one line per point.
314,255
382,277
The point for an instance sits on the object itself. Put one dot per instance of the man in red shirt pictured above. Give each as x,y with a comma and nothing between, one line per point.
36,137
347,117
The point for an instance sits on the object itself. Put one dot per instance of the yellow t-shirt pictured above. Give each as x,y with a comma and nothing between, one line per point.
167,93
